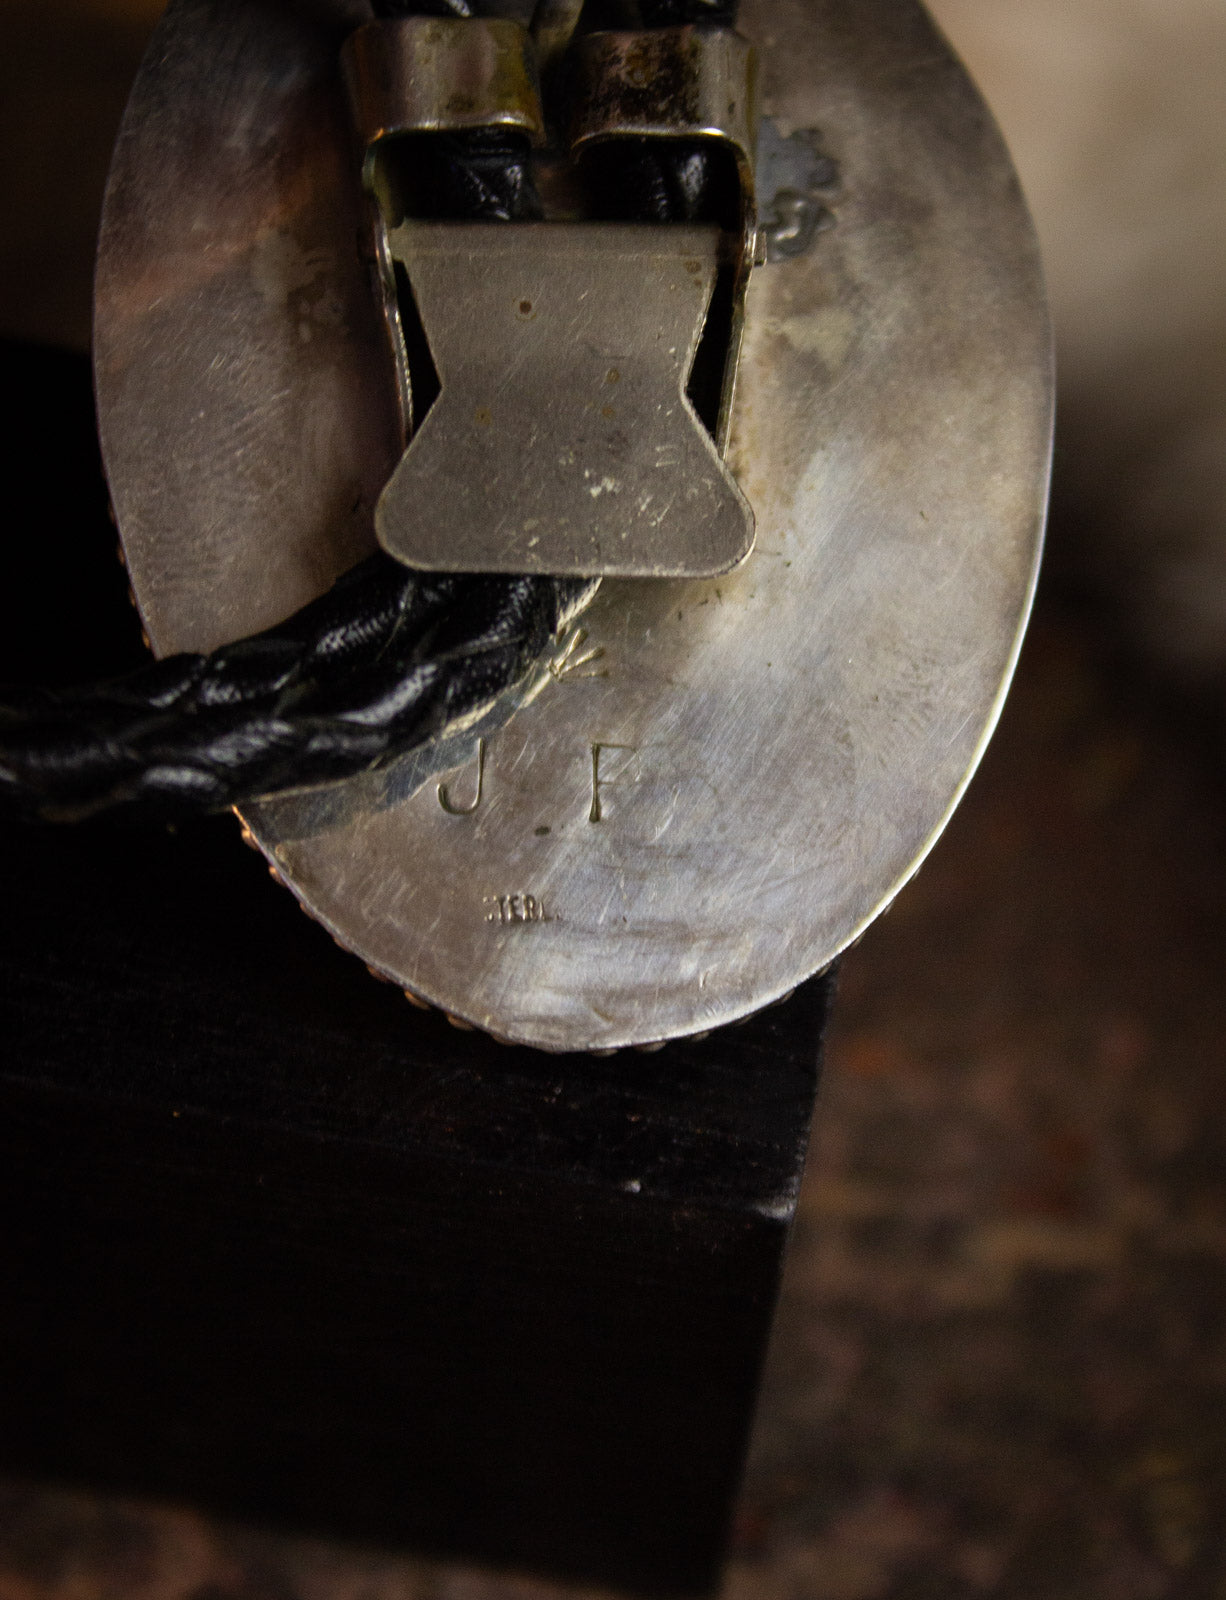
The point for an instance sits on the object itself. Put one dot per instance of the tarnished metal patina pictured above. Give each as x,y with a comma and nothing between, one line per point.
441,75
668,83
715,784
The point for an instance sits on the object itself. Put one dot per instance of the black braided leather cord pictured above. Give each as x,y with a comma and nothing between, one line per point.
388,658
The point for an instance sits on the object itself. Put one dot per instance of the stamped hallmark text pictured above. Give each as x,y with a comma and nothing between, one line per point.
508,908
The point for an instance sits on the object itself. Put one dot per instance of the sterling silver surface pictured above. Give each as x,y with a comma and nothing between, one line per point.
715,785
562,440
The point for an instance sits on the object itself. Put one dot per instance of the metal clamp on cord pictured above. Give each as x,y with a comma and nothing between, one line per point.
546,382
439,75
669,83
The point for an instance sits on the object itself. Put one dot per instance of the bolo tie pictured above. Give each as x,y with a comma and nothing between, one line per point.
580,467
581,474
581,470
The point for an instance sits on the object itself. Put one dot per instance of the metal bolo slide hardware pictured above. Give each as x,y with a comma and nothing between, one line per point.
559,434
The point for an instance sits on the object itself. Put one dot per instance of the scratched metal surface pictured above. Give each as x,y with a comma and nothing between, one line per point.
719,783
562,441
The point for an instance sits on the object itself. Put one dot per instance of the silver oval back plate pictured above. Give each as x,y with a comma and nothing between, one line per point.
715,785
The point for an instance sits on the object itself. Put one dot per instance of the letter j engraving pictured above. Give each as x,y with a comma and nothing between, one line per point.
444,793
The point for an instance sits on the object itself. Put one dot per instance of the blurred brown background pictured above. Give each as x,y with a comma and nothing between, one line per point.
999,1367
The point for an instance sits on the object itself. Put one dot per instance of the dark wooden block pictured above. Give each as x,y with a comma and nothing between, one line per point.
271,1240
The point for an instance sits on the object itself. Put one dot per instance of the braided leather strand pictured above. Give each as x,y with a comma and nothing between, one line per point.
387,659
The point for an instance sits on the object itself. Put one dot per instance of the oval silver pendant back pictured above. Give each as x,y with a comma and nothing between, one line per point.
713,786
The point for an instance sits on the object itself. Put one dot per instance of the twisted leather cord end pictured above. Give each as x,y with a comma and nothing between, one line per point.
384,661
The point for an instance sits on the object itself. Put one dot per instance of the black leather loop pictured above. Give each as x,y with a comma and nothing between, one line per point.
387,659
